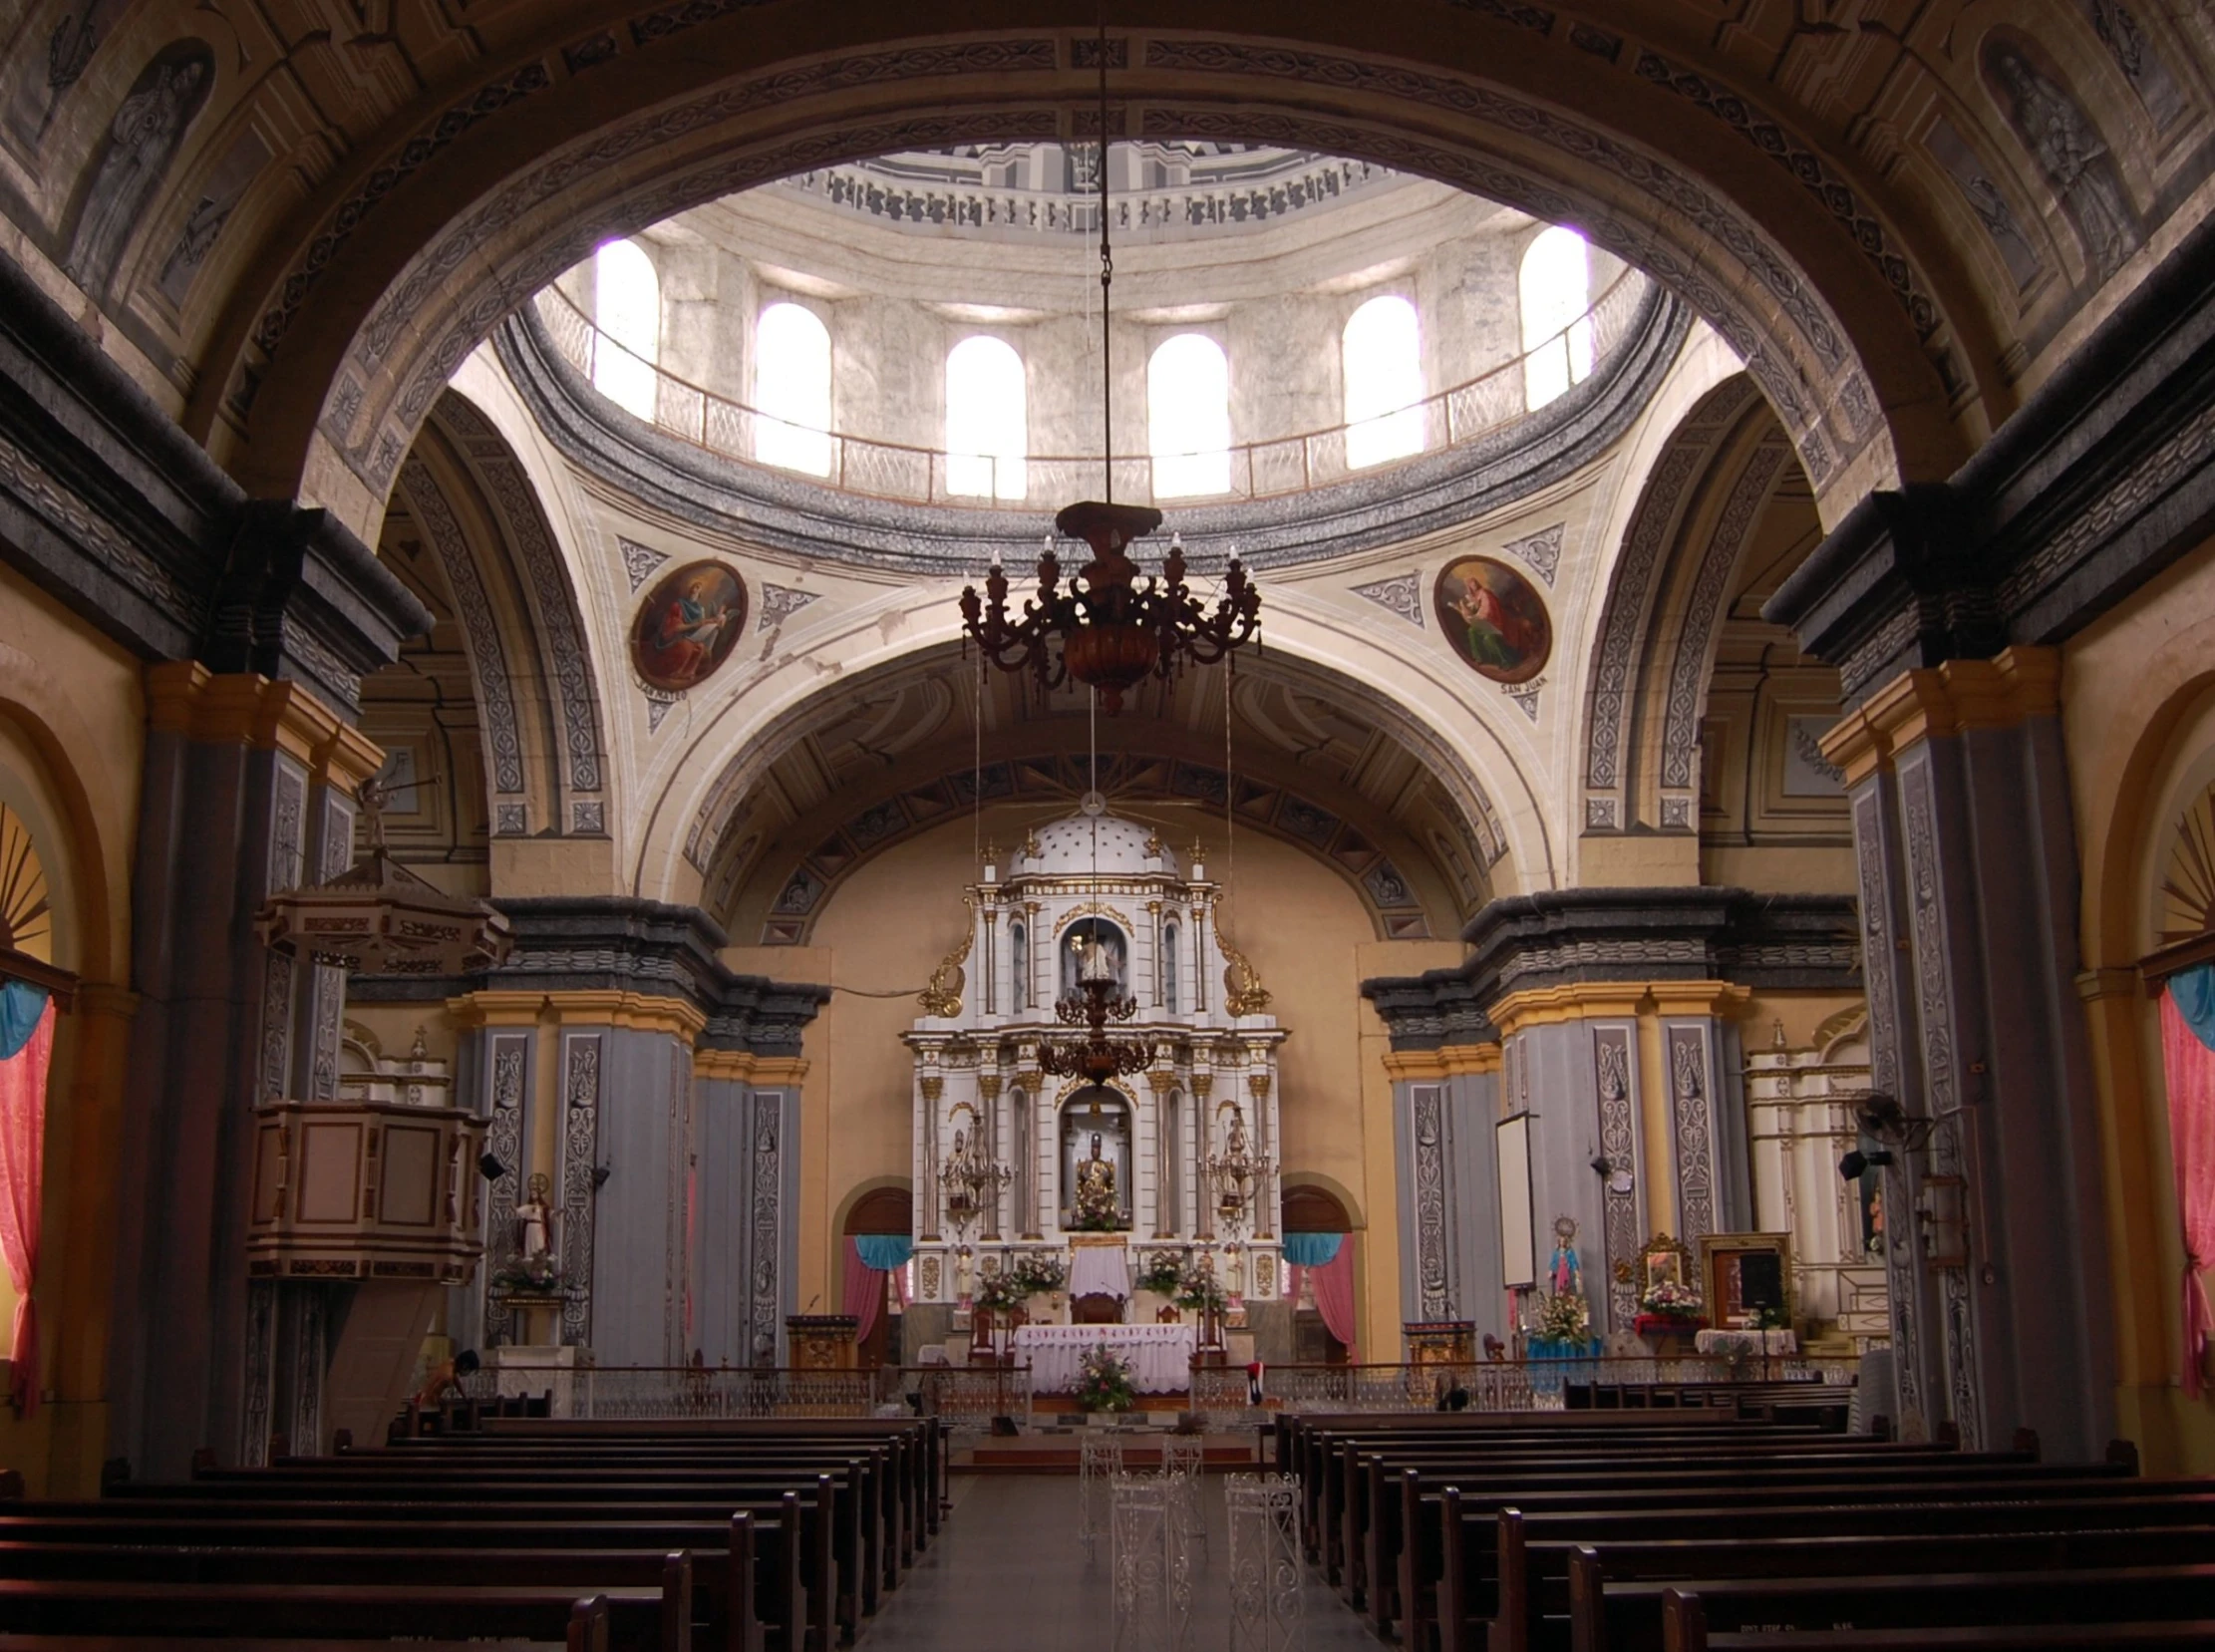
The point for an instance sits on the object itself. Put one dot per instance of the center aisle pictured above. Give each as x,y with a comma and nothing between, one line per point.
1007,1574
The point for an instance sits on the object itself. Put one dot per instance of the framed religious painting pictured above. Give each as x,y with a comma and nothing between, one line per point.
1493,618
1748,1280
688,625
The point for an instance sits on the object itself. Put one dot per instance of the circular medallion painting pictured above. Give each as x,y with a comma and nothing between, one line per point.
1493,618
688,625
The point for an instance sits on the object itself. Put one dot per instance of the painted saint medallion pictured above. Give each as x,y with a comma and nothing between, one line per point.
688,625
1493,618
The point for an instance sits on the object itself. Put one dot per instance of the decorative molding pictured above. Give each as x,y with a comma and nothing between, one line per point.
508,1064
428,503
1446,1062
639,561
764,1290
1612,1069
1704,613
779,603
580,1157
1402,595
1691,1088
2021,683
1433,1267
1623,629
1540,550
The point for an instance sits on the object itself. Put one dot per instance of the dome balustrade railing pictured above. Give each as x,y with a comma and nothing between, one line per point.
1268,469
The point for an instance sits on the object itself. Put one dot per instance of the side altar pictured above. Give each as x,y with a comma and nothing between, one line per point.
1043,1140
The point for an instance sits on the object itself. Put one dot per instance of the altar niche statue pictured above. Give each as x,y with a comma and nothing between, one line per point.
1095,1208
1563,1274
534,1218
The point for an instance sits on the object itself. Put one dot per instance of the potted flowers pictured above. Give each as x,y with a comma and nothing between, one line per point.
1104,1386
1669,1309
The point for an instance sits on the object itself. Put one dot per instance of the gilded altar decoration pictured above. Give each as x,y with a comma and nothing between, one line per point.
688,625
1243,993
1493,618
941,996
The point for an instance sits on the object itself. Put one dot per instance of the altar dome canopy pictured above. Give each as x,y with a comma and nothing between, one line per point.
1080,845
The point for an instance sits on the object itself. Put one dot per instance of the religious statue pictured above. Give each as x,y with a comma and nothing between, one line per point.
1566,1276
1095,1205
534,1219
142,139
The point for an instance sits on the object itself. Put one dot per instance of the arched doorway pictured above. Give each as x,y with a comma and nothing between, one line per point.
879,1212
1313,1210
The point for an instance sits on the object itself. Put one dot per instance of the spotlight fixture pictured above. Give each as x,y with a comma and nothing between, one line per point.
601,1174
1600,1165
489,1167
1856,1162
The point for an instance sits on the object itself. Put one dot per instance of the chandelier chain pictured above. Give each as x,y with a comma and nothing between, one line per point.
1106,280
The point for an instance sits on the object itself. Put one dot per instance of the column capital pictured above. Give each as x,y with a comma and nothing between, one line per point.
1447,1061
2015,685
1576,1001
745,1067
184,696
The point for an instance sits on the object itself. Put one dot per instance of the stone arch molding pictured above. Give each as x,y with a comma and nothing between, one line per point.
341,360
538,703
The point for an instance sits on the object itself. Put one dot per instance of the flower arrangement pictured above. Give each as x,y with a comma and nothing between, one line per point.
1104,1382
1160,1272
1667,1299
1000,1292
1199,1291
1564,1316
1038,1273
533,1276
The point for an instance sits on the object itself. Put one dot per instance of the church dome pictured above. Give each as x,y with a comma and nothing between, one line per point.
1066,849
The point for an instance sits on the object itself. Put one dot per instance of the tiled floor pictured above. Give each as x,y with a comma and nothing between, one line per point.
1008,1574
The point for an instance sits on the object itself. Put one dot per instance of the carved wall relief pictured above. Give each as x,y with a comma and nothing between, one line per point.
1691,1088
1434,1268
765,1224
580,1156
1611,1067
2069,152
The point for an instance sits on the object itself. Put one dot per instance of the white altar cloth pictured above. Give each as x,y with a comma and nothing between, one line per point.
1159,1356
1101,1268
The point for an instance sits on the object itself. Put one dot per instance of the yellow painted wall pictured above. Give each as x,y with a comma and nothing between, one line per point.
71,745
2138,722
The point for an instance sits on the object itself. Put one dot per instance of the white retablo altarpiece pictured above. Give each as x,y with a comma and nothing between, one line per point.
1140,1143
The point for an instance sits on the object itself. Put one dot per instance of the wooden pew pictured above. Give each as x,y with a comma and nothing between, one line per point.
1627,1616
1530,1574
625,1620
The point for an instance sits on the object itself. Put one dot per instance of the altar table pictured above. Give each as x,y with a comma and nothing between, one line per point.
1746,1343
1159,1356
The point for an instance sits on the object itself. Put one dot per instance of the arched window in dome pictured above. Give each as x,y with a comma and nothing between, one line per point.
627,309
1188,417
1019,967
792,390
987,433
1168,967
1381,348
1556,291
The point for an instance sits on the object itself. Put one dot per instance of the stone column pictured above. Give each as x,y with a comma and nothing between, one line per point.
1162,1081
1965,843
988,1121
1028,1155
1204,1133
1445,1112
745,1244
242,786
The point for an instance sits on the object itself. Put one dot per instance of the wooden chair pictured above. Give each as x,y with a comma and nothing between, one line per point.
1096,1308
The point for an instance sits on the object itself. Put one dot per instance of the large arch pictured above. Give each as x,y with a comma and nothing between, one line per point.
1865,325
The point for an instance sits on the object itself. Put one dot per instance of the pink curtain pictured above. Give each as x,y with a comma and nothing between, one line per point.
1334,1295
2189,1067
22,1174
864,1292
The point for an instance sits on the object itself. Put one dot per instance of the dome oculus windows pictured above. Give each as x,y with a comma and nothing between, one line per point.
1555,287
987,430
1382,349
792,390
627,309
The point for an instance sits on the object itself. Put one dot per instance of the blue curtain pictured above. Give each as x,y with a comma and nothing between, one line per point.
21,1005
1312,1250
885,1251
2194,993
